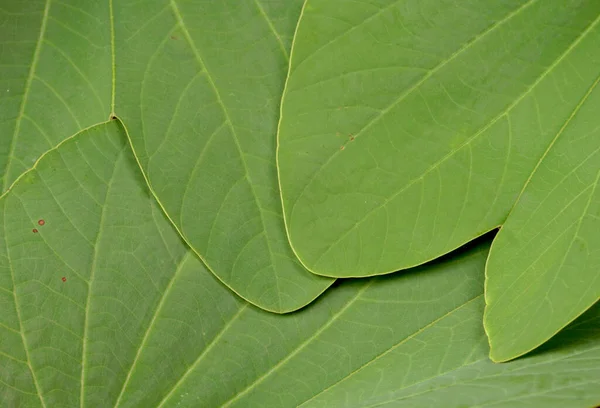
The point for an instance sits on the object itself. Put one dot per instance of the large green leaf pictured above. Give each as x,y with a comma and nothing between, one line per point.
198,86
139,322
409,127
544,269
55,76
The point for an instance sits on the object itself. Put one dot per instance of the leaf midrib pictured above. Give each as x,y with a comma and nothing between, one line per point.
19,318
150,327
300,347
204,353
92,276
32,69
395,346
383,112
580,38
277,36
506,291
209,77
532,316
523,367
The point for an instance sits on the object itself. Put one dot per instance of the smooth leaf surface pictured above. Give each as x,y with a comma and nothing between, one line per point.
409,128
55,76
138,321
198,87
104,305
543,269
79,291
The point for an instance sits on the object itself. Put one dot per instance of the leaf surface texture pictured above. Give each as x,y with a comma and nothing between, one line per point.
197,85
409,128
543,270
139,320
202,119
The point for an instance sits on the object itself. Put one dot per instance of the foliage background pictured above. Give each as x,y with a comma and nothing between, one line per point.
151,172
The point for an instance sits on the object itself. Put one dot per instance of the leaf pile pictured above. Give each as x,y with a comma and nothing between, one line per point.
179,176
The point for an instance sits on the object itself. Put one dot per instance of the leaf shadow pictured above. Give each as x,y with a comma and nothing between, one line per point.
585,330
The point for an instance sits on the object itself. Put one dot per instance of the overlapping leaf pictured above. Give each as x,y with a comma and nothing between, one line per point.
435,117
198,86
139,321
544,269
104,305
55,76
408,128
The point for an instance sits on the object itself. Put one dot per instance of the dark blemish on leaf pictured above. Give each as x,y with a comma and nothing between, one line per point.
351,138
342,147
34,230
64,279
41,222
113,117
174,38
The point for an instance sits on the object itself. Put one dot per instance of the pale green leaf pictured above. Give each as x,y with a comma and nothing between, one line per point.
409,127
139,322
544,269
198,87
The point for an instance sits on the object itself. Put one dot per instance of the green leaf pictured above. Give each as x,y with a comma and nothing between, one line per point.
198,87
203,128
409,128
543,270
139,321
79,291
55,76
103,304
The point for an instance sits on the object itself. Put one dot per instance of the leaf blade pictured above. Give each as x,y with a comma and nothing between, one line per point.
558,271
458,122
219,139
56,77
167,333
